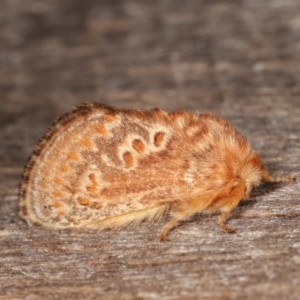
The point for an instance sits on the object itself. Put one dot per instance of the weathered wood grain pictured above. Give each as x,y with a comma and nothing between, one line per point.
239,59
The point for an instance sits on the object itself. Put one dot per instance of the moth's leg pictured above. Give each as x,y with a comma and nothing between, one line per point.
267,177
182,215
230,203
223,218
225,200
179,214
170,225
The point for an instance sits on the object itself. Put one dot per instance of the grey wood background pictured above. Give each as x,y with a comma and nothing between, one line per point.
240,59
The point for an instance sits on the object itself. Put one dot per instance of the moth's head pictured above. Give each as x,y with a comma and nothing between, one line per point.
252,173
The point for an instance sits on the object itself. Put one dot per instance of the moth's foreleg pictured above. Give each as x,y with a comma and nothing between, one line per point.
223,218
227,203
267,177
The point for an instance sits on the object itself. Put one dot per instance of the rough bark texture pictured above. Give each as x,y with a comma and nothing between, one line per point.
239,59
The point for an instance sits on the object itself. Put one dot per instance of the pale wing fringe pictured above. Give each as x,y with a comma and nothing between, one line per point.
135,217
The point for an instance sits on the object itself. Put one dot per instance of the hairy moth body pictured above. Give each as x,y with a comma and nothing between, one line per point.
101,167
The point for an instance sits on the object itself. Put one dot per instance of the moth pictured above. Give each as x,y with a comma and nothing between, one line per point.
102,167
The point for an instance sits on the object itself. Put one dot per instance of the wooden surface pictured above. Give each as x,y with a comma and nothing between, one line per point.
239,59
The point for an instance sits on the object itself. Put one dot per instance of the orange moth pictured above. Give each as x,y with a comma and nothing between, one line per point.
102,167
